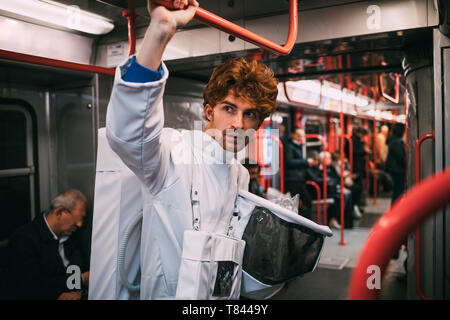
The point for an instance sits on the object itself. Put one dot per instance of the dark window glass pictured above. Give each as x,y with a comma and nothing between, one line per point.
15,200
13,140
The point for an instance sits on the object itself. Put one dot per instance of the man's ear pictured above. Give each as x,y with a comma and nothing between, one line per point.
209,112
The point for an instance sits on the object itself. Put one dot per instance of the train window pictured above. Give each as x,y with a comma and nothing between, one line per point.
14,140
16,169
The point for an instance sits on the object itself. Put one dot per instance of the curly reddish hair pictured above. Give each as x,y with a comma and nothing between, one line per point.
250,80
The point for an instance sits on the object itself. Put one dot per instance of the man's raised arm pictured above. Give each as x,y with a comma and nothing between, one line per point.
135,115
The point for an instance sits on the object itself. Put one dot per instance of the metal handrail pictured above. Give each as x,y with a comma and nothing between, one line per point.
394,227
418,233
217,22
315,185
21,57
130,15
281,153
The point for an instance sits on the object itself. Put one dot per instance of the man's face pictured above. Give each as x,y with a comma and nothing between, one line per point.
232,122
254,174
298,135
70,221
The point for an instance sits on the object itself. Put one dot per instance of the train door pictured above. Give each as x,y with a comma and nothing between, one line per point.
17,168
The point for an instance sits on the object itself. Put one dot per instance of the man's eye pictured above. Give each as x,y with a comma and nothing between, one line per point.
251,114
228,108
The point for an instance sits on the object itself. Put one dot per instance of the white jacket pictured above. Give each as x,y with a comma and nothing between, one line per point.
161,158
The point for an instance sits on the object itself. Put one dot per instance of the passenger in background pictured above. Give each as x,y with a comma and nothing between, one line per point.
381,148
41,252
396,160
359,162
315,173
348,181
295,165
332,173
255,178
381,153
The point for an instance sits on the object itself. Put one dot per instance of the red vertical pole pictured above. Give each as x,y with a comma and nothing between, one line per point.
375,173
341,120
131,17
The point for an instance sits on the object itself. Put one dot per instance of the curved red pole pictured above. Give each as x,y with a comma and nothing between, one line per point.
14,56
131,18
315,185
304,103
217,22
324,160
280,146
418,235
394,227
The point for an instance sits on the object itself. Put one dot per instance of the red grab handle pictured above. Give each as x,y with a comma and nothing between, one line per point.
217,22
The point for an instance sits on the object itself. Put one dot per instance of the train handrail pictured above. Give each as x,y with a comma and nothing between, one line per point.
418,232
324,161
304,103
315,185
130,15
281,153
22,57
396,98
393,228
217,22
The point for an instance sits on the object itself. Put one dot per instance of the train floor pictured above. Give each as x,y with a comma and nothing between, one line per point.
331,279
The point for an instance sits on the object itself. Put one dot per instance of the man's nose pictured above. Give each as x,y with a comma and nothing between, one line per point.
79,224
238,121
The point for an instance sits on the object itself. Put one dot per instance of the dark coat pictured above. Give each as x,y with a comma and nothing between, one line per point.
35,268
359,154
396,159
295,164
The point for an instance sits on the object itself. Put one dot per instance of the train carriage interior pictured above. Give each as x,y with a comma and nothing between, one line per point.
354,64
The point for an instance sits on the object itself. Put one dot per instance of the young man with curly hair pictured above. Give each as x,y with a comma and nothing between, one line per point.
237,99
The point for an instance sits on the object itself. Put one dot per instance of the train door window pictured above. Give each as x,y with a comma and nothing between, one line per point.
17,178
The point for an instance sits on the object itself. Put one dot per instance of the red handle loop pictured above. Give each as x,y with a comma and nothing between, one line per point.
217,22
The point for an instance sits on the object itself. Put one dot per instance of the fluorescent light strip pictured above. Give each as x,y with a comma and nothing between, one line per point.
50,12
329,92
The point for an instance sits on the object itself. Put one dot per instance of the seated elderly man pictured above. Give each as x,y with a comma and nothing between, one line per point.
45,262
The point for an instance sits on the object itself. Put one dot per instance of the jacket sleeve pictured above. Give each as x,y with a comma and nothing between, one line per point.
29,281
134,123
293,162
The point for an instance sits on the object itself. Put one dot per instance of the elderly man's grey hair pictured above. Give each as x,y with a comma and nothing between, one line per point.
68,199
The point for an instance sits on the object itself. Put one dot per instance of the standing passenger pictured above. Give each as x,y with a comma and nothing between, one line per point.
237,99
295,170
396,160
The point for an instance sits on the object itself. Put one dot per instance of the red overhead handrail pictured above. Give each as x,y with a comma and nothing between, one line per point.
324,161
418,235
217,22
315,185
15,56
394,227
304,103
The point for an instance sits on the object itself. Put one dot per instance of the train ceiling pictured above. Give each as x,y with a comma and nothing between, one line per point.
354,62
